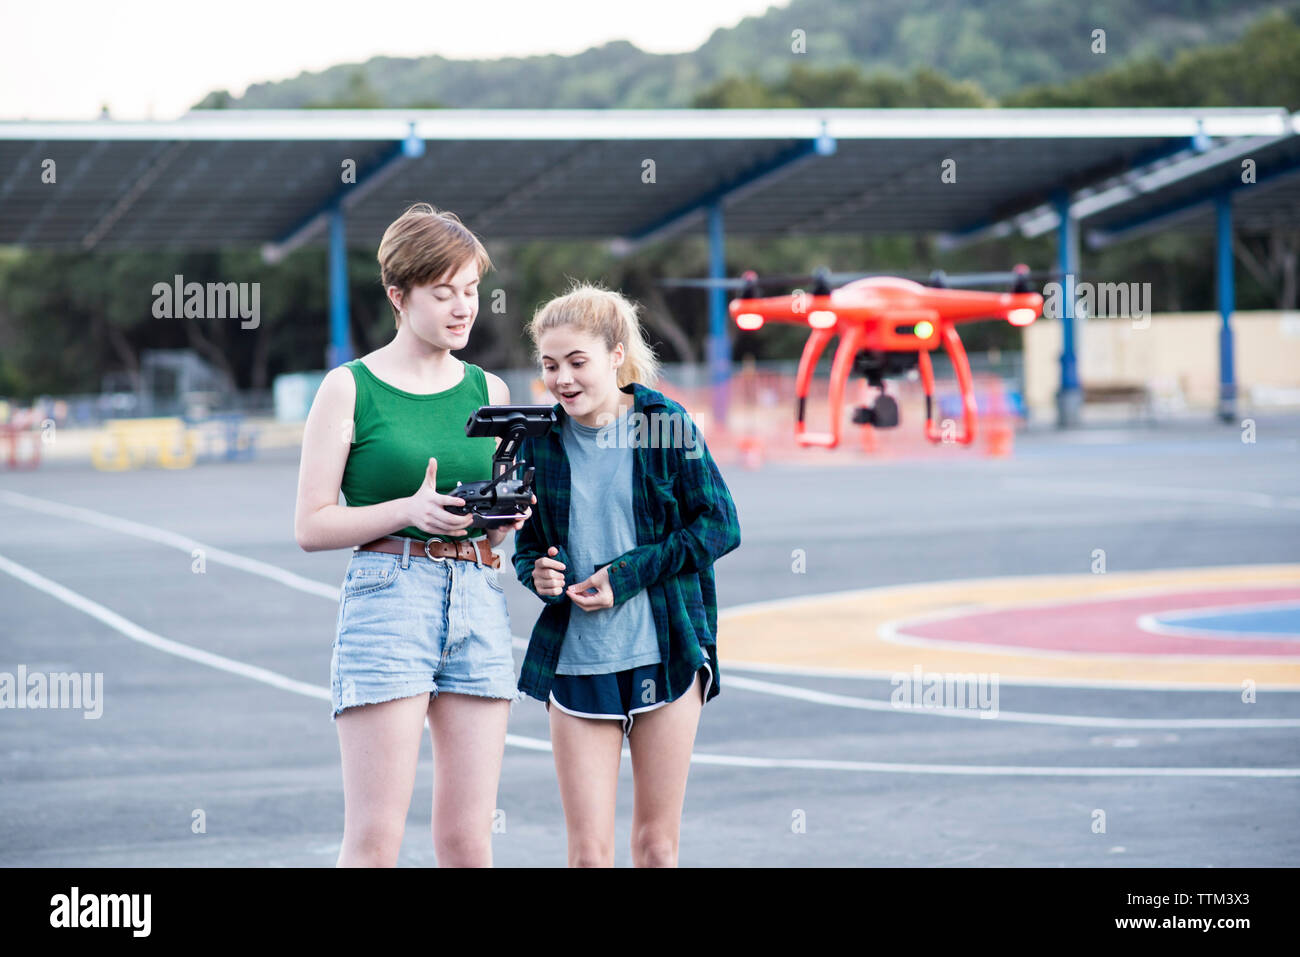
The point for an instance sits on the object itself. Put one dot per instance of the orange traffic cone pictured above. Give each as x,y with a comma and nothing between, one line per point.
1001,438
866,433
1002,433
868,438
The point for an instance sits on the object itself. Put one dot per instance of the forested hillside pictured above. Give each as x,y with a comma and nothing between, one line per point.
999,45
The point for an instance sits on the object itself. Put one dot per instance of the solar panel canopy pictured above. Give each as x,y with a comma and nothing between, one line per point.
220,178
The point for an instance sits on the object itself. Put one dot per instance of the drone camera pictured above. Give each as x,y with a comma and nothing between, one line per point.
883,413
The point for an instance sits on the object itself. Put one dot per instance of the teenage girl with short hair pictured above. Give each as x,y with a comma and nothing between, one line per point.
422,626
621,548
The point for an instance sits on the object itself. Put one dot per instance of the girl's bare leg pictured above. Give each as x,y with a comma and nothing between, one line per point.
380,748
469,740
587,753
661,742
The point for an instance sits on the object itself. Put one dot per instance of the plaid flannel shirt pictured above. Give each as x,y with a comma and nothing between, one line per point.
685,521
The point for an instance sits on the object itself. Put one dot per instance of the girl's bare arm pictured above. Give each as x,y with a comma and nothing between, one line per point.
319,521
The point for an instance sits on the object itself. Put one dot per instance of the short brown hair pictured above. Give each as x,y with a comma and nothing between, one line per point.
424,245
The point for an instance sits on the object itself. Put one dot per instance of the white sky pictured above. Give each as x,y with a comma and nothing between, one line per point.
156,58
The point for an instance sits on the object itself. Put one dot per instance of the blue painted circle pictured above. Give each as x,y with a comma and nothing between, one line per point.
1276,621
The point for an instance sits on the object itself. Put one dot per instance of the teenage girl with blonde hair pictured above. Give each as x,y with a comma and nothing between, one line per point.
422,626
621,549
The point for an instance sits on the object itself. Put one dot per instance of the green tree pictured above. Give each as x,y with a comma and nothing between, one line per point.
846,87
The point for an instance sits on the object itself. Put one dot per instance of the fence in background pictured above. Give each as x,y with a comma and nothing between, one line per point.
175,432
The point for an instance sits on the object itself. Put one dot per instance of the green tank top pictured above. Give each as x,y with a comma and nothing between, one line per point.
395,433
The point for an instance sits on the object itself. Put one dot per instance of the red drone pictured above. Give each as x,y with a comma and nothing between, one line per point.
887,325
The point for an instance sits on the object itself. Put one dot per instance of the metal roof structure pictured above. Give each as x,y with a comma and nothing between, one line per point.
1261,175
280,179
216,178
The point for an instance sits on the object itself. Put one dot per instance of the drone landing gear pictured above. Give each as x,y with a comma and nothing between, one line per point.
952,345
875,365
850,340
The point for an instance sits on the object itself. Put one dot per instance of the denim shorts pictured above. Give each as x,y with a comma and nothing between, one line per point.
411,625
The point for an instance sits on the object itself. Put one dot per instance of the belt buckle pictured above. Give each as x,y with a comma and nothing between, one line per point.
429,555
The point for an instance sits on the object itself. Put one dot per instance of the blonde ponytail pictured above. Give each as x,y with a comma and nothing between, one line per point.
608,316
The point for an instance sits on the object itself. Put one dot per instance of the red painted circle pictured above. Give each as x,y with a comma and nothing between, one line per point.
1109,626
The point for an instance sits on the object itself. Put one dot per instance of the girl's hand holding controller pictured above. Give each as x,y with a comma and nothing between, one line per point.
425,509
548,574
497,535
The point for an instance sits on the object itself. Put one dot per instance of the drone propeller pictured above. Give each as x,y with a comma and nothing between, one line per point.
1021,279
821,281
748,278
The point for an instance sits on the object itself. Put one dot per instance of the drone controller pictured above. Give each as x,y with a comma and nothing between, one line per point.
502,499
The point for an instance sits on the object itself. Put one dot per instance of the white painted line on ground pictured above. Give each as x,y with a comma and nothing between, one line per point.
1019,717
993,770
867,704
1163,493
133,631
252,566
136,633
163,537
1085,683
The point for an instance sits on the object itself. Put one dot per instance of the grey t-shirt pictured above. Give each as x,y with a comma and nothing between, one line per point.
602,527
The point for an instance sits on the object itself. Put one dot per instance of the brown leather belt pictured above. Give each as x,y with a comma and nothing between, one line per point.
465,551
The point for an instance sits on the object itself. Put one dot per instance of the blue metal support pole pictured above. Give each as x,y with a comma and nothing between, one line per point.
1069,400
1227,302
340,347
719,343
